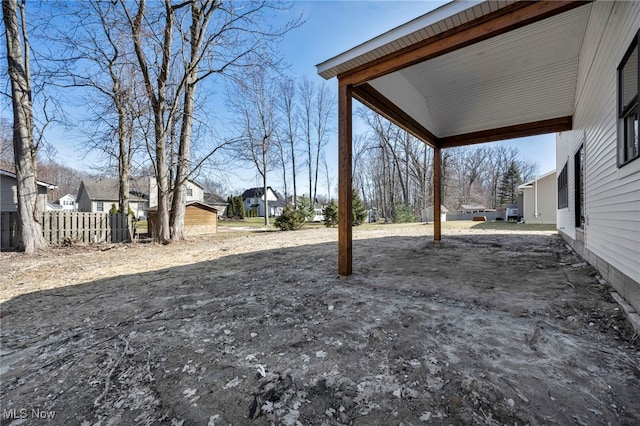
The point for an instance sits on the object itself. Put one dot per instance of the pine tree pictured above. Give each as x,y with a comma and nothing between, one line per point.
229,206
306,207
238,206
358,209
508,191
330,213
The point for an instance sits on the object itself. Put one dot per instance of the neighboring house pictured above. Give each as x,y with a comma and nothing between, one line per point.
539,199
67,202
149,187
99,196
318,216
598,161
253,199
9,192
216,201
199,219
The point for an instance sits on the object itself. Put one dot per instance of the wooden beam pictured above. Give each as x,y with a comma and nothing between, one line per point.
345,218
437,194
553,125
369,96
503,20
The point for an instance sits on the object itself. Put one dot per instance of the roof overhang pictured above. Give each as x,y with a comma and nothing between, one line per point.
49,186
472,72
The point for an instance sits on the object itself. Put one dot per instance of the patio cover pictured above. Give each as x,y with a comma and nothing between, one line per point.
468,72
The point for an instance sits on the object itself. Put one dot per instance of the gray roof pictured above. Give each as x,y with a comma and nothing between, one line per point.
108,190
214,199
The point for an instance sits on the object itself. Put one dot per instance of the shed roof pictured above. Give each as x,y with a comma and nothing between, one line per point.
471,72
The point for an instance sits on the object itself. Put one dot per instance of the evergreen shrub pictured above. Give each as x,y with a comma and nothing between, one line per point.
290,219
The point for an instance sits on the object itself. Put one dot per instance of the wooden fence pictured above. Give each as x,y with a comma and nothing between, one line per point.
71,227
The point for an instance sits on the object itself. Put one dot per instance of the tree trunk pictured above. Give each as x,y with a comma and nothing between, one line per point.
264,185
124,167
29,229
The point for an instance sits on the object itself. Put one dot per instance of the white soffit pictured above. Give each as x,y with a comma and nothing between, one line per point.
522,76
435,22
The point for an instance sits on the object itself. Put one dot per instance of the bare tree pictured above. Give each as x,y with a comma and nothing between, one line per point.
100,48
177,46
324,108
256,104
289,130
307,92
30,235
156,81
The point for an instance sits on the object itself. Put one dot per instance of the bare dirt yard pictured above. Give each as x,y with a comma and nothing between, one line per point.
256,328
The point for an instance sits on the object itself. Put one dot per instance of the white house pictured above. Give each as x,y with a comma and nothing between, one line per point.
539,199
67,203
9,192
253,199
149,187
598,161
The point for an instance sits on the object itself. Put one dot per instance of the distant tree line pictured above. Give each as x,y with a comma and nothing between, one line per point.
393,171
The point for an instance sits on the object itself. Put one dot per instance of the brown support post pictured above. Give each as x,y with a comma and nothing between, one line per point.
437,195
345,219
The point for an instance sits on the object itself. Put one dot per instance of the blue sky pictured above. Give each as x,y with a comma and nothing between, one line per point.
332,27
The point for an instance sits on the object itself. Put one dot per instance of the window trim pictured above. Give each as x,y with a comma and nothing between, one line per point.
99,206
563,187
579,187
626,111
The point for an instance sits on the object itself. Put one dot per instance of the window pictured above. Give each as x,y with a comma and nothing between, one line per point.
563,189
628,78
189,192
99,206
579,187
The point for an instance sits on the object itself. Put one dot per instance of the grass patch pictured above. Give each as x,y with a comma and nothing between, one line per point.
141,227
247,222
512,226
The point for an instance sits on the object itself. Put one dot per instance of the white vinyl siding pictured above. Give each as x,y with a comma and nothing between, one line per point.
612,194
542,201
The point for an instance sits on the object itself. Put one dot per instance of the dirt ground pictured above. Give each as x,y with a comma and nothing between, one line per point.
256,328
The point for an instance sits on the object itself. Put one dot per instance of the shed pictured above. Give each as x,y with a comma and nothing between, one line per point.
428,214
199,219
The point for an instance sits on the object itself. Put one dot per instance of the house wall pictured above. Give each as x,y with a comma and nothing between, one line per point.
197,192
271,196
9,195
547,196
138,207
611,237
83,200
